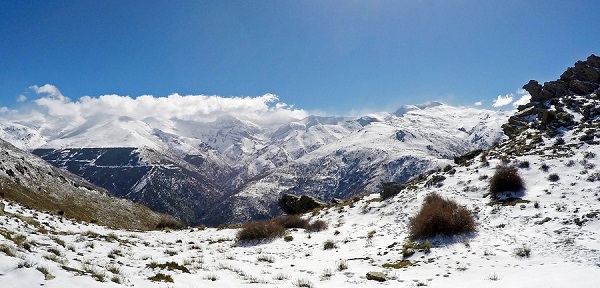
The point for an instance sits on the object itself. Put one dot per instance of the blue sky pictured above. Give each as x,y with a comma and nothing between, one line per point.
329,56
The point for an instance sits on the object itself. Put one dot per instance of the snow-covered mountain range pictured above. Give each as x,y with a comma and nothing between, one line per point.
229,170
544,235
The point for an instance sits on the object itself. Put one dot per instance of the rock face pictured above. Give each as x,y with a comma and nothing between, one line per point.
548,109
292,204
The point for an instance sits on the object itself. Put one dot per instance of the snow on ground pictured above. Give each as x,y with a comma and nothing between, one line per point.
559,225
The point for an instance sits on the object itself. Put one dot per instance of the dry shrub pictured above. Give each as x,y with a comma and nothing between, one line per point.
291,221
506,179
276,227
317,225
168,221
440,216
260,230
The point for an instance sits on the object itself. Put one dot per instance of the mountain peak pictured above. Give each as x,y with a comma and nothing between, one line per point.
407,108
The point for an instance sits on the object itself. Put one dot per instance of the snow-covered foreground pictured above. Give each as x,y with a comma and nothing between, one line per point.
559,225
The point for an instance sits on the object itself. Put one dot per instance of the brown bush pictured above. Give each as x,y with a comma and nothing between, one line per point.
260,230
317,225
276,227
291,221
440,216
168,221
506,179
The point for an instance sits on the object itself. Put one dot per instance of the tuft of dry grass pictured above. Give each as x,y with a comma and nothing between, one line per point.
440,216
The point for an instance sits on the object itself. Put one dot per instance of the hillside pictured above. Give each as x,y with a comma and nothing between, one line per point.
545,236
31,181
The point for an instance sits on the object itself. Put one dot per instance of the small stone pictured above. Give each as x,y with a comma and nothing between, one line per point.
376,276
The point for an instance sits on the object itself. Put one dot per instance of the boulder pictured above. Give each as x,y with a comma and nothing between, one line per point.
293,204
376,276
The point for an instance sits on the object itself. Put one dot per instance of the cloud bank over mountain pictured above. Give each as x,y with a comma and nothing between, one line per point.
53,105
54,112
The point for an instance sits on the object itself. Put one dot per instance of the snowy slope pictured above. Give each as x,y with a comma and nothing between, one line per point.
560,225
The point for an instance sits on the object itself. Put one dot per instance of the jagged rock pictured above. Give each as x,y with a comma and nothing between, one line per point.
293,204
529,110
593,61
517,122
582,88
462,159
553,89
534,88
510,130
582,71
527,106
376,276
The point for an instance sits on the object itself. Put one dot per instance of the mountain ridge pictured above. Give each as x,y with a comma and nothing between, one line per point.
192,170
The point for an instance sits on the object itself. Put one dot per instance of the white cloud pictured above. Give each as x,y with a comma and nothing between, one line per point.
21,98
52,107
51,91
503,100
479,103
522,101
522,91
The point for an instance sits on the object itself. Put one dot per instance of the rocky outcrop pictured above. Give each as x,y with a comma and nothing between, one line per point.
293,204
546,110
391,189
463,159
